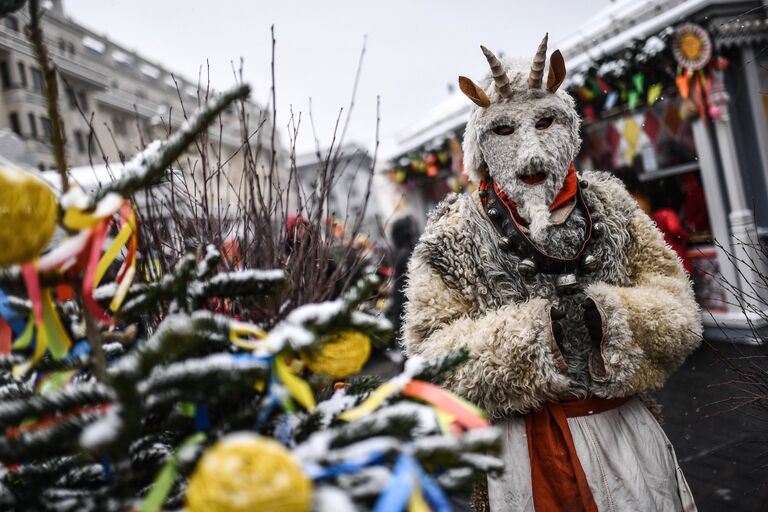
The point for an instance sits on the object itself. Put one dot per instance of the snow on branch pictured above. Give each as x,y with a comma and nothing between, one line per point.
148,167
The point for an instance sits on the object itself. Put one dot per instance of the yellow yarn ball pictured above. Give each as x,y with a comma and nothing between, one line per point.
28,213
245,472
341,357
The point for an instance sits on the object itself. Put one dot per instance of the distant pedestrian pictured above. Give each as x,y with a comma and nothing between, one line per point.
404,235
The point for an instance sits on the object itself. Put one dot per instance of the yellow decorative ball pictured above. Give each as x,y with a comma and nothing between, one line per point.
341,357
245,472
28,213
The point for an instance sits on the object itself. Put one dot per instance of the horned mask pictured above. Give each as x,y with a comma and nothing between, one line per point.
522,133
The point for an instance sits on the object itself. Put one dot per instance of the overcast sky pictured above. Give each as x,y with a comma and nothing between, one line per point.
415,48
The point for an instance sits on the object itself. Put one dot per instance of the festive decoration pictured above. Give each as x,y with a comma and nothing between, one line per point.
646,72
427,164
28,211
691,46
112,389
344,355
245,472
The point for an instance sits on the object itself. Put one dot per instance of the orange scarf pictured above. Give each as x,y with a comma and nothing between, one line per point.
558,481
567,192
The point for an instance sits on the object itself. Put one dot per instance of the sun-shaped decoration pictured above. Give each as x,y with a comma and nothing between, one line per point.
692,46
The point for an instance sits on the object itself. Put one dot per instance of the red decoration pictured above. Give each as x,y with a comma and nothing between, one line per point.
589,113
672,119
603,85
5,337
651,126
613,137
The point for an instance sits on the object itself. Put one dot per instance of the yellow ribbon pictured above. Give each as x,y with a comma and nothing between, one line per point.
417,503
122,288
122,238
239,332
51,334
296,386
371,403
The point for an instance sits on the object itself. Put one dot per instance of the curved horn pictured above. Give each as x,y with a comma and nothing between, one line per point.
537,67
500,78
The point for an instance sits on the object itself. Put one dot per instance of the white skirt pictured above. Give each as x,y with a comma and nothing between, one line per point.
629,463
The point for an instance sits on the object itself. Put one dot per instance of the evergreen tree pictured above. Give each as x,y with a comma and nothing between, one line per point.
168,393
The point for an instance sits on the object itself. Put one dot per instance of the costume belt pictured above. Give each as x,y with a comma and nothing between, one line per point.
557,478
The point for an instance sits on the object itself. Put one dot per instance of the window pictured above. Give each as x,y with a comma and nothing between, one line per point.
5,75
47,130
37,80
81,100
62,45
22,74
11,23
118,125
79,141
15,124
32,125
71,99
71,48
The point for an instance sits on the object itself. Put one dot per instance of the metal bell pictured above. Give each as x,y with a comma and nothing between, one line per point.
493,212
505,243
527,268
566,284
583,183
598,229
589,264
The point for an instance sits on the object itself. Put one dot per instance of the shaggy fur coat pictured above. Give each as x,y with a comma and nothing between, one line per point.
464,291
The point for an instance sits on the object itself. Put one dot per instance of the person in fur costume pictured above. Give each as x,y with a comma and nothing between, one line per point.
566,296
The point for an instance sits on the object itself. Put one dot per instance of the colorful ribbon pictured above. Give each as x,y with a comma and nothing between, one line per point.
411,487
163,484
463,412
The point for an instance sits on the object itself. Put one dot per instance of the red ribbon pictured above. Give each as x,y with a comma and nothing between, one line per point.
5,337
97,242
446,403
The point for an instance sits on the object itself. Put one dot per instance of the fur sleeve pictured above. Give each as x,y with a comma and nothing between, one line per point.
514,362
650,327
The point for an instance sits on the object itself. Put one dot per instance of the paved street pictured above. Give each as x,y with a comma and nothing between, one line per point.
724,454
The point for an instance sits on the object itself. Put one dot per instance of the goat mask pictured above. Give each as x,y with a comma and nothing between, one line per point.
522,133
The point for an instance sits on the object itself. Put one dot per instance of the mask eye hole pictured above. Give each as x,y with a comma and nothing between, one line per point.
544,123
504,130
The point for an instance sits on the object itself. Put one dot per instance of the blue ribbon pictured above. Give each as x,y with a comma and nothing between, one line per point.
202,420
16,321
397,493
105,463
346,467
433,493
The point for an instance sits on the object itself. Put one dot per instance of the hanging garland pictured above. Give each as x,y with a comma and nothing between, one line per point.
428,165
676,59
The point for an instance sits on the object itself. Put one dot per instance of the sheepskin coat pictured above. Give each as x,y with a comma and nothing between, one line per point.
464,291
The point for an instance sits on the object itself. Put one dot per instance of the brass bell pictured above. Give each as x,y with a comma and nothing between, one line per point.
527,268
493,212
566,284
598,229
589,264
505,243
583,183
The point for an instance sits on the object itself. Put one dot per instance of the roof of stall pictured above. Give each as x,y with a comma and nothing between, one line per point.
609,30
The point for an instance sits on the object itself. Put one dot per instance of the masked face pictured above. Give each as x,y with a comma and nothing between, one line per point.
527,145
